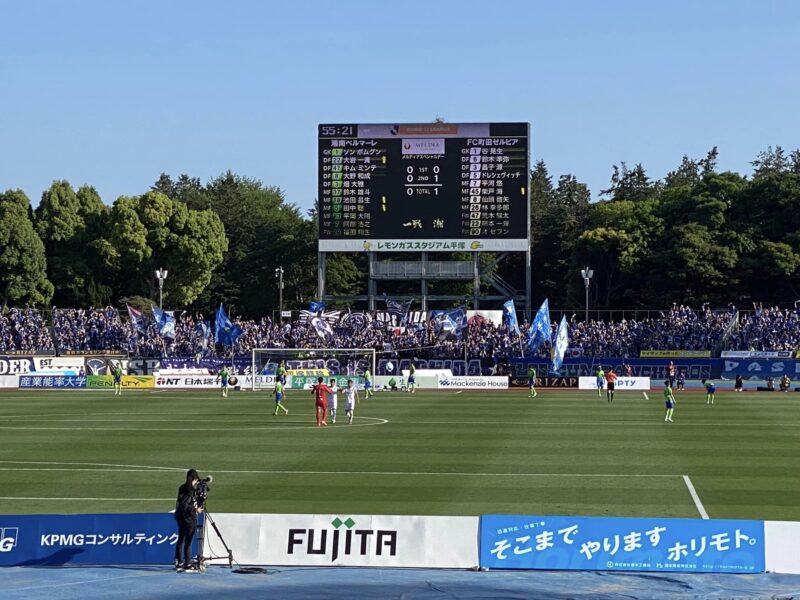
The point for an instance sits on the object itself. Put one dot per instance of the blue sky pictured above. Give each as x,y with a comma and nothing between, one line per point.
113,93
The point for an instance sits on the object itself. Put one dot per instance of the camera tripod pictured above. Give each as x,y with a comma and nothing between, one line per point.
203,532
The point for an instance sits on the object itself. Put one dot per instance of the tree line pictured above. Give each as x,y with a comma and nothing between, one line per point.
696,235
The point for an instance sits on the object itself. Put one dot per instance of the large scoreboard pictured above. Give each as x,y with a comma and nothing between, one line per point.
426,187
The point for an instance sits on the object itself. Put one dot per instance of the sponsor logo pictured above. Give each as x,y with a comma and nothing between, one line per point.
474,382
342,542
547,382
8,538
128,381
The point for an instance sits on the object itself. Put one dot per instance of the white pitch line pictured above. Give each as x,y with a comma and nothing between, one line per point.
700,508
93,499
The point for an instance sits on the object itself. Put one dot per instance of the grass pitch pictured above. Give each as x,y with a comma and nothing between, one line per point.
436,453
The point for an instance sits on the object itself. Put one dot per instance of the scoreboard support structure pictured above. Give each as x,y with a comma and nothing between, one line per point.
426,189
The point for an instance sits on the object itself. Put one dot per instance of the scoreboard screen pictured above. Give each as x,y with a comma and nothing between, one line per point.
424,187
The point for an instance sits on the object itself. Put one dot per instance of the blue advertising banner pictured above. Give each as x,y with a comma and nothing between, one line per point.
110,539
621,544
758,369
655,368
52,381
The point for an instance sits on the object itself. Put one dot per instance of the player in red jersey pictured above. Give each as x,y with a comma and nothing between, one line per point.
321,392
611,380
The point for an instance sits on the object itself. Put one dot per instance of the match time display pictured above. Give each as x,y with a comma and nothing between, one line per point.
424,187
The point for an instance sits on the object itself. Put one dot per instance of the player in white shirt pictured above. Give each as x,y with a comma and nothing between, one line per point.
350,398
333,398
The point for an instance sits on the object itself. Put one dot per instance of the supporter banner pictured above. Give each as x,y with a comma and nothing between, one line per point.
655,368
760,369
675,354
456,366
622,384
546,382
352,540
240,364
621,544
136,366
105,365
485,383
783,546
92,353
49,540
756,354
9,381
16,365
59,365
475,317
52,381
128,381
29,352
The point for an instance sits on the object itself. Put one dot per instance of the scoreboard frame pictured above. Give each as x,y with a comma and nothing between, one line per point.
410,187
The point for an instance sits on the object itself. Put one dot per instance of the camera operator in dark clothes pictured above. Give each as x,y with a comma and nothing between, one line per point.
186,511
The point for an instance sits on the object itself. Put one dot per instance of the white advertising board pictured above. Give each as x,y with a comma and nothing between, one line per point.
9,381
782,540
472,383
622,384
352,540
211,381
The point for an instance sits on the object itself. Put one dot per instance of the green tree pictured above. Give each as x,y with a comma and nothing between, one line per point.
23,265
153,231
72,226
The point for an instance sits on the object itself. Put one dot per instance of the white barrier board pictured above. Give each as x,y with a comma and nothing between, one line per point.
351,540
622,384
782,546
9,381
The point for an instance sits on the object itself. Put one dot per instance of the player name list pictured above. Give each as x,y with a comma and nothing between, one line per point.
412,184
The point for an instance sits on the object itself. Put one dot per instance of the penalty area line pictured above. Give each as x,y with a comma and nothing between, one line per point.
700,508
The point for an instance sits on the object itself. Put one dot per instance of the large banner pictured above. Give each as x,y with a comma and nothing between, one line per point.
759,369
675,353
16,365
621,544
141,382
123,539
655,368
352,540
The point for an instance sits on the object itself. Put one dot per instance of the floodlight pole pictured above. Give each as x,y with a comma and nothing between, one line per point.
587,273
279,276
161,275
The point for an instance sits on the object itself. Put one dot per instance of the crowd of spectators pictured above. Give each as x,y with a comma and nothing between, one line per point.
24,329
681,328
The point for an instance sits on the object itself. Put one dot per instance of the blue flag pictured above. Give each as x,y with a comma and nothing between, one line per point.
539,333
225,332
138,320
510,316
449,323
165,322
560,344
316,307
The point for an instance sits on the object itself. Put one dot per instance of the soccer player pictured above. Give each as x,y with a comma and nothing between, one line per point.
711,389
611,379
368,393
350,399
411,377
532,382
223,376
601,377
279,398
737,387
118,381
321,391
280,374
671,374
669,401
333,399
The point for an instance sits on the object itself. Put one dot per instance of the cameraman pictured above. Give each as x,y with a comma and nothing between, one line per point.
186,510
